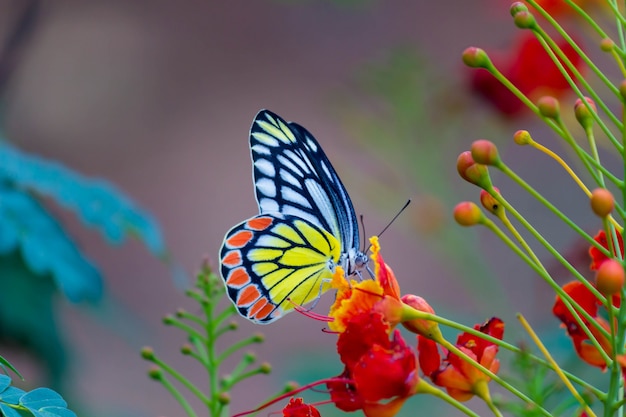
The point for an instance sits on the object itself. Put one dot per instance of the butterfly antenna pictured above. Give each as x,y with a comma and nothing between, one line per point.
363,228
391,221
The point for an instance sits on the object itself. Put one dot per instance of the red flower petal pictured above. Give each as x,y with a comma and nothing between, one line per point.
386,373
297,408
597,257
362,331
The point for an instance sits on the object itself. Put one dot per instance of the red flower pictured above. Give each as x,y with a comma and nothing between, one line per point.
558,8
597,257
297,408
376,367
589,303
530,69
460,379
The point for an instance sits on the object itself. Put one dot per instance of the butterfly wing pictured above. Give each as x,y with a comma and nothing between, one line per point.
273,262
293,176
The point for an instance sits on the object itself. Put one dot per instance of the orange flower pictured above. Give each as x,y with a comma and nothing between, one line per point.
460,379
380,368
380,294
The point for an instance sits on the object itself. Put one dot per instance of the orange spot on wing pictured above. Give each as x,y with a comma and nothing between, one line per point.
239,239
265,311
232,258
260,223
257,306
248,296
238,278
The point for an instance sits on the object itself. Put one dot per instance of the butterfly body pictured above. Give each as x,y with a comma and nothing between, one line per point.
286,255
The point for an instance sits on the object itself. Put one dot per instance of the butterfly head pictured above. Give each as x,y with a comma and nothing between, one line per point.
353,261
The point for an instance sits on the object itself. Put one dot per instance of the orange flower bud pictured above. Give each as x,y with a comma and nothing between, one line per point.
602,202
468,214
549,107
607,45
610,277
489,202
485,152
463,162
419,326
522,137
583,114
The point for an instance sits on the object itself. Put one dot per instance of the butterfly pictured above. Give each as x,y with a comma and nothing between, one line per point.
286,255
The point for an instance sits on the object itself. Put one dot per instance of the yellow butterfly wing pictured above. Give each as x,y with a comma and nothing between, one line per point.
274,262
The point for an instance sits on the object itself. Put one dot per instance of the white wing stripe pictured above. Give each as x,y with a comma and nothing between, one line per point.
295,197
265,167
266,186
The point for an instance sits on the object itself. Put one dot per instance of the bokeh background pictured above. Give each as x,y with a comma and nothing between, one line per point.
158,96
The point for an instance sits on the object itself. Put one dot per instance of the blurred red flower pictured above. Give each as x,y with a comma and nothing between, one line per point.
530,69
597,257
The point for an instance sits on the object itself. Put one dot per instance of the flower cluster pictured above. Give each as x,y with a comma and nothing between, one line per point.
380,367
579,307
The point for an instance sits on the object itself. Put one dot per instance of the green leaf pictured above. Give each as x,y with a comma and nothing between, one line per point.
5,382
8,411
54,412
96,202
44,246
40,398
6,364
27,313
12,395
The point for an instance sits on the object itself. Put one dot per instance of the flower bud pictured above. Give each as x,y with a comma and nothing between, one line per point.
549,107
524,20
468,214
583,113
610,277
419,326
155,373
223,398
518,7
147,353
489,202
463,162
476,58
602,202
607,45
522,137
265,368
485,152
186,349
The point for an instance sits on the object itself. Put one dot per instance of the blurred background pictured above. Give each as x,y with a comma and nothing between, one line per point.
157,97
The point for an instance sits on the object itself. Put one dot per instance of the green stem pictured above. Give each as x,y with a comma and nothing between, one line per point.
551,48
415,314
178,397
530,190
426,388
236,346
569,303
455,350
181,379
